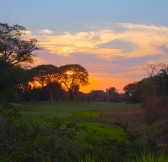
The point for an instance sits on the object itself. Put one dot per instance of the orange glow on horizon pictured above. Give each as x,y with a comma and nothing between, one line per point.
98,83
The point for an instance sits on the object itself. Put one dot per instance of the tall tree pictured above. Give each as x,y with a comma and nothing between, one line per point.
158,75
133,91
112,94
13,48
44,75
72,76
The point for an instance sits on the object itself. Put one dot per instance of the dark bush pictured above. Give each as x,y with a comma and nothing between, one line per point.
28,142
156,108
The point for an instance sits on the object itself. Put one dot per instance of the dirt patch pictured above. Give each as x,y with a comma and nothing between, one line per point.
134,117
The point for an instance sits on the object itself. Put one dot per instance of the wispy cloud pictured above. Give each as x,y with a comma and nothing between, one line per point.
46,31
147,39
81,42
161,29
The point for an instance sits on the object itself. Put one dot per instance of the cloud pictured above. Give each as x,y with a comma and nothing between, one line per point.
46,31
143,27
147,40
113,57
81,42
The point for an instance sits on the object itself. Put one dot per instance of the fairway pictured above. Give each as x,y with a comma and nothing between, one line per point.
37,110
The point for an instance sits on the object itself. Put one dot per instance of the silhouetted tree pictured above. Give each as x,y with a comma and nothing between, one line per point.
158,77
133,92
45,75
72,76
97,95
13,48
112,94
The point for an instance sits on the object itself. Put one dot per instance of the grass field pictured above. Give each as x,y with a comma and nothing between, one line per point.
96,126
36,110
86,115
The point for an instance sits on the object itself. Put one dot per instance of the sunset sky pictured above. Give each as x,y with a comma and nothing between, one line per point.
112,39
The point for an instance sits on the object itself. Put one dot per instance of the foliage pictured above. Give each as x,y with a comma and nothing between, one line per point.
158,76
24,141
155,85
156,108
97,95
11,78
133,92
13,48
155,90
66,139
113,95
53,140
72,76
44,76
44,94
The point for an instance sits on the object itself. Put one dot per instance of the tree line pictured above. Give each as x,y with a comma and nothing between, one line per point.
16,81
49,82
43,82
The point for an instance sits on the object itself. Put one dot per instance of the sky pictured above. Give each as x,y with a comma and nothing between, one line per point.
113,39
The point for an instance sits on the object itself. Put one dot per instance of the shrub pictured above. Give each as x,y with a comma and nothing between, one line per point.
28,142
156,108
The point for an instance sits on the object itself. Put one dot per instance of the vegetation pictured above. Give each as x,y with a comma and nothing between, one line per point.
13,48
72,76
151,157
96,127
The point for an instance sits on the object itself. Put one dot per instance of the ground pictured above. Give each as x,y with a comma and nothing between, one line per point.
105,112
95,117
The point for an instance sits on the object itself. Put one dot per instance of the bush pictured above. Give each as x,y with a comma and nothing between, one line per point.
156,108
28,142
58,141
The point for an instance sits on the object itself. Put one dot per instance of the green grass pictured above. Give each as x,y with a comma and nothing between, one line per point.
152,157
98,132
36,110
83,118
81,113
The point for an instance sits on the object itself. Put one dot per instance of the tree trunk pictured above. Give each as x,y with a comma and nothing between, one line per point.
71,96
51,97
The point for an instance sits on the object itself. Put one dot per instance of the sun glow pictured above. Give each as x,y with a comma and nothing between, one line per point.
69,72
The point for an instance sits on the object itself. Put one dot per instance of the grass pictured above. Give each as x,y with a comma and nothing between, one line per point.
97,132
151,157
83,114
36,110
94,122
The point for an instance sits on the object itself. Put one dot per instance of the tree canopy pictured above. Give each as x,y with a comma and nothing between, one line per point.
14,49
72,76
45,75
